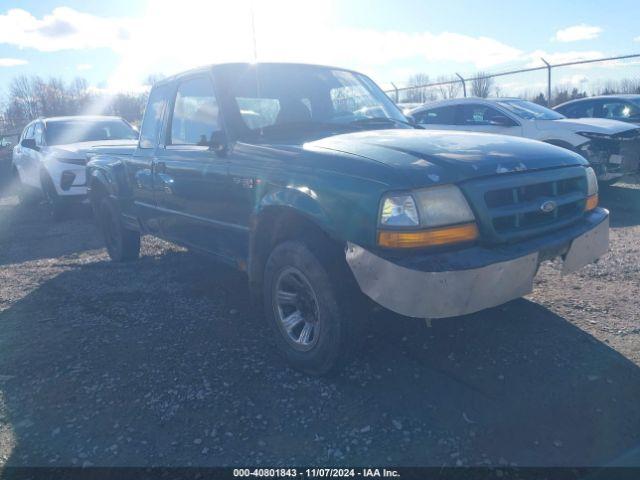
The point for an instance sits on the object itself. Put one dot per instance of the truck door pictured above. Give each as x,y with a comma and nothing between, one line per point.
139,166
191,178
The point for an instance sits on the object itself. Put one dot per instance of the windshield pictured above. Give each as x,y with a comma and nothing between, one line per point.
75,131
530,110
276,97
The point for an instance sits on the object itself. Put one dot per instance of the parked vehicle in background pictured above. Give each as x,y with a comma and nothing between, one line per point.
611,147
624,108
283,171
50,158
6,150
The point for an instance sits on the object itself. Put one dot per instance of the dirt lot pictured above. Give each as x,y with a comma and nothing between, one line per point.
163,362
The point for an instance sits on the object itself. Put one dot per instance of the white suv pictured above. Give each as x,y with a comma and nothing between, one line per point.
50,158
612,147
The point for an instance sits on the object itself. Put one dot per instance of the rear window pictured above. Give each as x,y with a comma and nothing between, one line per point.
75,131
258,112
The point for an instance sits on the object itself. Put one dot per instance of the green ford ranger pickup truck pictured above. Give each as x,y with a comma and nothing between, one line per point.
311,180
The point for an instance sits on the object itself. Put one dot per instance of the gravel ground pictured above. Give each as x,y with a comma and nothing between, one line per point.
163,362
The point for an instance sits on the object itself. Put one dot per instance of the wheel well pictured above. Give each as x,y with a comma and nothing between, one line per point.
278,224
96,192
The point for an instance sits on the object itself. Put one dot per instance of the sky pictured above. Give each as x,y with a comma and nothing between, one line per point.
117,44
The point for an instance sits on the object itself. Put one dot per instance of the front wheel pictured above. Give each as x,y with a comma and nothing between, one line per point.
302,309
122,244
58,206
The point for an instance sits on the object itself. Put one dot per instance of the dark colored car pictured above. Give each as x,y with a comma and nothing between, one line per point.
625,108
310,180
6,150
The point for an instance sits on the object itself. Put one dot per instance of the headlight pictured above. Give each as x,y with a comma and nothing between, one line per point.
442,212
443,205
594,135
592,189
592,181
399,211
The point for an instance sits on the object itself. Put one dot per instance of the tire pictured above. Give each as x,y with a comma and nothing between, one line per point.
58,207
317,339
123,245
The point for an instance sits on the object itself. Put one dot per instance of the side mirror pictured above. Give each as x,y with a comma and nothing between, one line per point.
29,143
500,121
219,143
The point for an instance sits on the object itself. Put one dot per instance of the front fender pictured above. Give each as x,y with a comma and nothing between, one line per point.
302,201
109,173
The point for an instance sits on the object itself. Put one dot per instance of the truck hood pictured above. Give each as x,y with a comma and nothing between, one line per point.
595,125
436,156
79,150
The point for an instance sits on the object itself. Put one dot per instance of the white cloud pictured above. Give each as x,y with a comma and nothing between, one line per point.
637,39
578,32
12,62
284,32
167,39
574,80
64,28
84,66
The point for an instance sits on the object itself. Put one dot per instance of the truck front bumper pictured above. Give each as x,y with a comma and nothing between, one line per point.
456,283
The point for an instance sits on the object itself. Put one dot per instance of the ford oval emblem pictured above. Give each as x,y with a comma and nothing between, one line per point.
548,206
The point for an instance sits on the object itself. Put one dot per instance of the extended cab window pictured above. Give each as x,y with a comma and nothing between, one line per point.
258,112
195,113
152,121
438,116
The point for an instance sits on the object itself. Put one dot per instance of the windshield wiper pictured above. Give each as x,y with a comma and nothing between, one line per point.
374,120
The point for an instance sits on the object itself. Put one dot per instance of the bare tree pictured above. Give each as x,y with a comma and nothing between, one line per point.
448,90
32,97
23,97
128,106
481,85
417,94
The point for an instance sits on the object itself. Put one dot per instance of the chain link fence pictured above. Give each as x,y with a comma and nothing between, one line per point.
544,82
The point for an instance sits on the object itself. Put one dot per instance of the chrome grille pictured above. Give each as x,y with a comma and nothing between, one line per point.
510,207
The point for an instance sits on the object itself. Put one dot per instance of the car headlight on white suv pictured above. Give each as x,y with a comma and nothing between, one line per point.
426,217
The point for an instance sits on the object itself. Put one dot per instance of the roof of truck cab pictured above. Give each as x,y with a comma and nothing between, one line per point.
209,68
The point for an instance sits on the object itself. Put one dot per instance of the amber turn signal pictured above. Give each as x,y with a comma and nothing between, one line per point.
592,202
428,238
